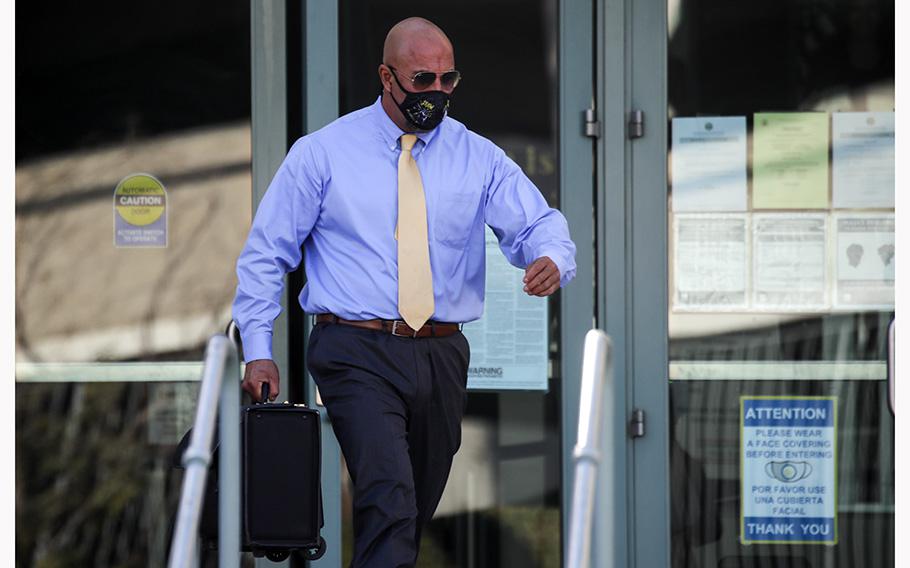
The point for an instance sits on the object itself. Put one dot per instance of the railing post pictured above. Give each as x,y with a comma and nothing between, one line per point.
891,403
220,357
229,464
605,519
597,368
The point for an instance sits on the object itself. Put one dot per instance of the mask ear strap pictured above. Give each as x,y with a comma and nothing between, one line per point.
390,85
400,86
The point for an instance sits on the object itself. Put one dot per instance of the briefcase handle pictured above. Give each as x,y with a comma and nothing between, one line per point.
265,393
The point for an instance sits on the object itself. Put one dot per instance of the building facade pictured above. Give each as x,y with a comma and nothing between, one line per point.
727,171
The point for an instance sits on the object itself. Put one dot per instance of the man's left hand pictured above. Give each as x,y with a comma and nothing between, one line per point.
541,277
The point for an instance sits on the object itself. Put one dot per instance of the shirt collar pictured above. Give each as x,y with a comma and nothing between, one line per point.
391,133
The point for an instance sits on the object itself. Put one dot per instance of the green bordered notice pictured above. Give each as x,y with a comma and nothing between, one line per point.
788,463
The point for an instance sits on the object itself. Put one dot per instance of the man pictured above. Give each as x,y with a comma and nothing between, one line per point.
389,203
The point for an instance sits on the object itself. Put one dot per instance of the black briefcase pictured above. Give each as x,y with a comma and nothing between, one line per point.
281,489
281,480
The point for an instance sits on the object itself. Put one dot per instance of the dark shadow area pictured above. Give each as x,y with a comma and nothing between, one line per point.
91,74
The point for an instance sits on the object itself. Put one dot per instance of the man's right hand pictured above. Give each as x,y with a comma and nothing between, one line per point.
258,372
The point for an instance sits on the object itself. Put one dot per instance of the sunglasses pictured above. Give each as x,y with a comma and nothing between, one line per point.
425,79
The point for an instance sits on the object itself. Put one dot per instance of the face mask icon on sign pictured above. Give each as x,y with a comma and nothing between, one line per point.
788,471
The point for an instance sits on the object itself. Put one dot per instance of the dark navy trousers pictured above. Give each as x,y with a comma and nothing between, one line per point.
396,406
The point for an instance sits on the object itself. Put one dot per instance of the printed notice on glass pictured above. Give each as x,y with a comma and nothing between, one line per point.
862,158
789,262
788,459
790,161
865,261
709,164
710,262
509,343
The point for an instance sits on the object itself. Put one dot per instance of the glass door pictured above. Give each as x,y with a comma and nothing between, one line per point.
133,192
780,284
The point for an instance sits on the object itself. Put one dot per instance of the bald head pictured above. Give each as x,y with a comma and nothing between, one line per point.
418,41
413,46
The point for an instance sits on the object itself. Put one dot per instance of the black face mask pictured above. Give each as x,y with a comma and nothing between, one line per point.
424,110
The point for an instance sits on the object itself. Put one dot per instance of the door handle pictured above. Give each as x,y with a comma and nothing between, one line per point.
891,366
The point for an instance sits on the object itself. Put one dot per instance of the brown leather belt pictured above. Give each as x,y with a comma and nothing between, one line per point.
396,327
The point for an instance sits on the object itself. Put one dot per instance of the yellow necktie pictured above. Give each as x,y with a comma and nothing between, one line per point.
415,280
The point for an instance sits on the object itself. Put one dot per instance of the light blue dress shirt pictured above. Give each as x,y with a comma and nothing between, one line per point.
336,193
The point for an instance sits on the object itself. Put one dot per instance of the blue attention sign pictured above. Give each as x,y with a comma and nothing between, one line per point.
788,460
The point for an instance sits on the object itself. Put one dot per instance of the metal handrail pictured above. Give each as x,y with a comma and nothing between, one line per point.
220,374
891,402
596,380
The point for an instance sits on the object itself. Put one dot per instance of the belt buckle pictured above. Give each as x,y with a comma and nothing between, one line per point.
396,333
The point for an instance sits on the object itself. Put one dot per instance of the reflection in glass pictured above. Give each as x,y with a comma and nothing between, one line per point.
171,101
95,478
105,90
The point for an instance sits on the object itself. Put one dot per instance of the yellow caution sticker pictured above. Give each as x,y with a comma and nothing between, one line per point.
140,212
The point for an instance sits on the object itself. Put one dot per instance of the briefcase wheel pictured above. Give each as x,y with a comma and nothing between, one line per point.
314,553
277,556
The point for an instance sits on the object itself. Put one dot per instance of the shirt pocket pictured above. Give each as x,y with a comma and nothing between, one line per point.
456,217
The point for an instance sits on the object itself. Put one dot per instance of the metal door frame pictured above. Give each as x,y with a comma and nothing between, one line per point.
577,197
648,349
320,103
270,94
631,239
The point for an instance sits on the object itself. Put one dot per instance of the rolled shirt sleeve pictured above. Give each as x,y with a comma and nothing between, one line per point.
527,228
285,217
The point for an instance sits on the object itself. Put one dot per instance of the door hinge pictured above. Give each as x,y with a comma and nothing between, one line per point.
592,125
636,124
637,424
